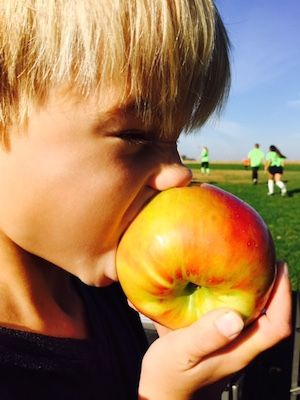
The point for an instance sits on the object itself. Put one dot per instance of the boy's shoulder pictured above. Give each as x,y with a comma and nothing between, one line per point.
110,359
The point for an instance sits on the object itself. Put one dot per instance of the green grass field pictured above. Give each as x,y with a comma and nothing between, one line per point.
282,214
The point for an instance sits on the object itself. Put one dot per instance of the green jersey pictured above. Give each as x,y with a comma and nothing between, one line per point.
204,155
274,159
256,157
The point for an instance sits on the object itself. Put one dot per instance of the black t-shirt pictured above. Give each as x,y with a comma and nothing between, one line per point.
106,366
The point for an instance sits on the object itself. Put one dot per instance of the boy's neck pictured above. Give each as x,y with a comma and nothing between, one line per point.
37,296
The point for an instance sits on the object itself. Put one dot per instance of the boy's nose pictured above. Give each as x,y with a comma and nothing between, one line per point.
170,175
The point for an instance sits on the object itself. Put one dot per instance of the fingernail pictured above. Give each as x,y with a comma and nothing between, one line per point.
229,324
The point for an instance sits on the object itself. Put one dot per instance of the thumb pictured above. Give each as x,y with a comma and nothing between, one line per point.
186,356
209,334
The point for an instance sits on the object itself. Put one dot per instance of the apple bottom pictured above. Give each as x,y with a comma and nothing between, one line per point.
182,309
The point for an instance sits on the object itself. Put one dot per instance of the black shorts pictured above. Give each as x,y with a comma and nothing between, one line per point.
205,164
275,170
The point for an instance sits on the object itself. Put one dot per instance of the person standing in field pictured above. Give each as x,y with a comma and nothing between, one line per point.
205,160
274,165
256,158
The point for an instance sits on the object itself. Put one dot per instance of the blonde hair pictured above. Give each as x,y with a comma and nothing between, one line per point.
172,55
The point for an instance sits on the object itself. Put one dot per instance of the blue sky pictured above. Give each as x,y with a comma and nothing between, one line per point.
264,101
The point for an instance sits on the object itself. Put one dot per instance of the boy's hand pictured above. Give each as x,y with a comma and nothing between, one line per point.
181,362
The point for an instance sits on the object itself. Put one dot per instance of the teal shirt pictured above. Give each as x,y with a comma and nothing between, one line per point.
256,157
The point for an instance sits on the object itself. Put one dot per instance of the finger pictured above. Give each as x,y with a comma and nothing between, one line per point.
265,332
170,360
276,321
213,331
275,324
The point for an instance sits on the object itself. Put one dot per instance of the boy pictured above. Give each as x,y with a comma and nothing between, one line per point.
94,95
205,161
256,157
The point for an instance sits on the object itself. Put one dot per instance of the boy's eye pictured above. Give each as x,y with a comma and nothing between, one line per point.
136,137
144,138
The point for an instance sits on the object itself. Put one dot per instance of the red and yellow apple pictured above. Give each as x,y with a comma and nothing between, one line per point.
193,249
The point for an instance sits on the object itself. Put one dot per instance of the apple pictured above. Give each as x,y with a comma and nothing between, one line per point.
193,249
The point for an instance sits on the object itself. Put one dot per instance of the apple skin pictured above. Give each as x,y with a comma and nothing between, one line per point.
193,249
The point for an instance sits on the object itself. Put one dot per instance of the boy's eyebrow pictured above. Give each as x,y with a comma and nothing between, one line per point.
130,108
117,111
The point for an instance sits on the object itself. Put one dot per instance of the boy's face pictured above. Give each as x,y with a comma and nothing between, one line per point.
72,181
